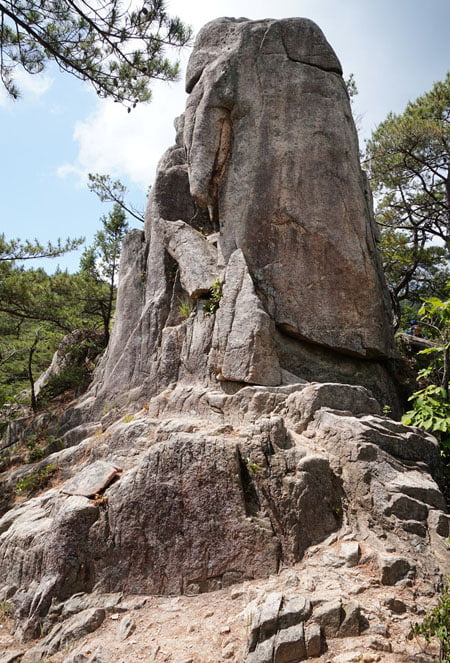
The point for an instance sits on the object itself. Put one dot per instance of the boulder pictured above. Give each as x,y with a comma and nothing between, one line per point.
257,98
195,256
393,569
303,291
290,645
66,633
313,640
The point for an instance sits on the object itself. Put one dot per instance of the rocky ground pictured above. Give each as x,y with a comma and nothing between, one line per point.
213,627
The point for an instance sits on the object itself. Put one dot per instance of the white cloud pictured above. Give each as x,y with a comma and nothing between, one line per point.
31,87
112,141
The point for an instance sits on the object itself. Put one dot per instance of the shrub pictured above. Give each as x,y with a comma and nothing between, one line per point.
215,295
38,479
184,307
34,452
6,610
436,624
73,376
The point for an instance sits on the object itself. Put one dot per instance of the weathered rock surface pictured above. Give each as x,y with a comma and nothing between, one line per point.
266,162
64,634
91,480
309,247
243,345
195,256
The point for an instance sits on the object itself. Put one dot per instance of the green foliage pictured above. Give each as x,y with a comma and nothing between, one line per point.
6,610
350,84
37,309
38,479
31,294
99,268
431,411
253,467
408,158
436,625
412,269
431,403
34,452
185,307
435,315
113,191
18,336
15,249
73,376
215,295
119,51
127,418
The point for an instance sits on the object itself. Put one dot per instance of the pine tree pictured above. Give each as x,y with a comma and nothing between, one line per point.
100,266
119,51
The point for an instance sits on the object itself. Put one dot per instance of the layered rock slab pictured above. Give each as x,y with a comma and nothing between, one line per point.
243,346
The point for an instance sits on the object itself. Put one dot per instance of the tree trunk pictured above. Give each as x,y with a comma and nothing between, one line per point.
30,370
447,199
446,374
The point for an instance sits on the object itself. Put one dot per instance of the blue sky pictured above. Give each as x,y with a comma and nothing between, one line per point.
59,130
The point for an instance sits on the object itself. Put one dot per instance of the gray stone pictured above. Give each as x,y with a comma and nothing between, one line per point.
196,257
243,348
263,652
414,527
76,657
396,605
293,611
329,616
290,645
79,433
313,640
393,569
65,633
83,601
440,522
101,655
303,404
406,508
91,480
350,624
380,645
11,656
127,626
420,487
228,651
265,620
233,473
350,552
6,592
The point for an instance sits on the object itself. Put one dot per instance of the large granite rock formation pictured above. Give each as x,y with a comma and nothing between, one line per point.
263,191
229,428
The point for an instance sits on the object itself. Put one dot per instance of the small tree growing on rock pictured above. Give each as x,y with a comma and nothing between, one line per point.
100,266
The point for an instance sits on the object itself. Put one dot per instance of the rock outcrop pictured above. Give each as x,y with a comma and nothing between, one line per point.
262,191
230,432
